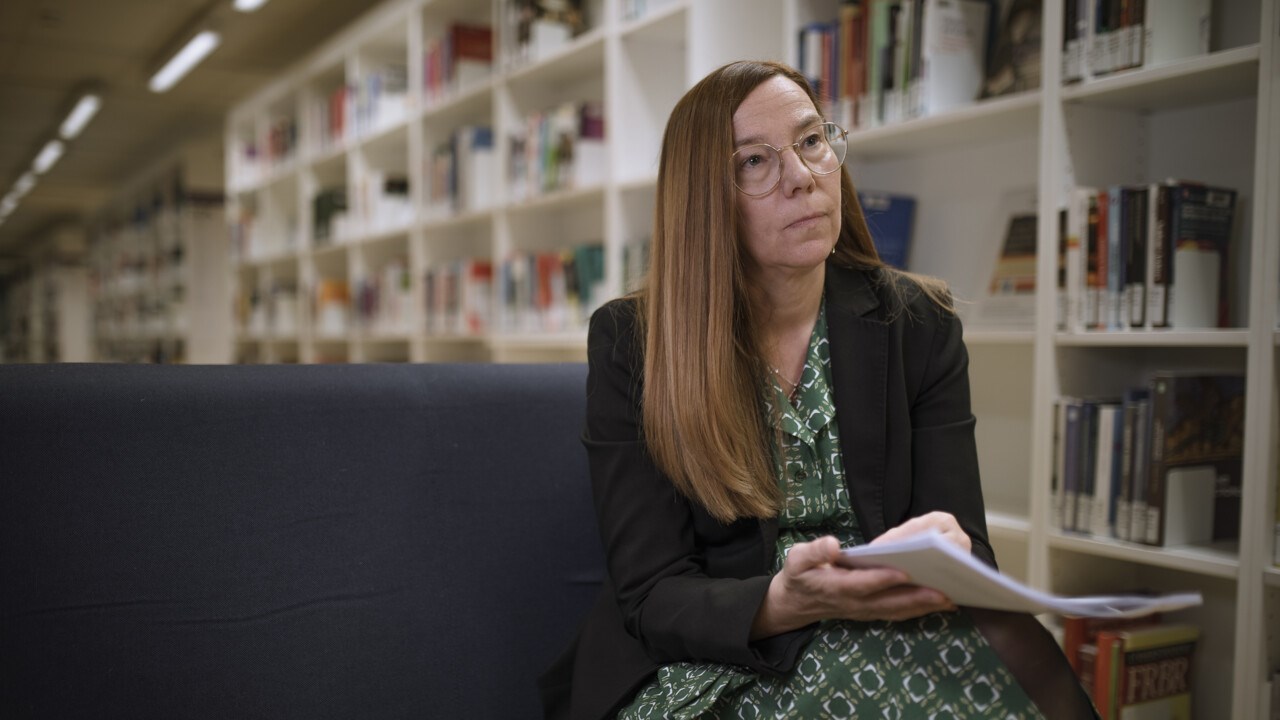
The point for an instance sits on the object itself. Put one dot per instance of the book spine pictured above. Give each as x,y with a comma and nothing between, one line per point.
1058,478
1136,264
1162,413
1104,467
1115,256
1088,465
1094,264
1071,462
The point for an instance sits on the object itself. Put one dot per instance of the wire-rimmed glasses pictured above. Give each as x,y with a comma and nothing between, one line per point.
757,169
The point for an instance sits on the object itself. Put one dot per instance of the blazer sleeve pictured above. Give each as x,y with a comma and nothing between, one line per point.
667,600
944,455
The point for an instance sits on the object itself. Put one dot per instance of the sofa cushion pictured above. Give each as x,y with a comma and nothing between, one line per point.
303,541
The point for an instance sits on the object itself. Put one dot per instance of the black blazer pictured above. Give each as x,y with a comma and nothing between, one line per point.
683,586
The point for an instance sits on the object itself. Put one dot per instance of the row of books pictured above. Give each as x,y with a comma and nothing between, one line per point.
461,173
884,61
383,300
383,201
1105,36
1146,256
558,149
1160,466
1133,668
549,291
457,296
460,58
533,29
270,311
526,292
379,99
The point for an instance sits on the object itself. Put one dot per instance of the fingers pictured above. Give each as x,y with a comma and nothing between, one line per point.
944,523
901,603
814,554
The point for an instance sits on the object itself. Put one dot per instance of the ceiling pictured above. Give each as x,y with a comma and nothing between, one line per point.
49,47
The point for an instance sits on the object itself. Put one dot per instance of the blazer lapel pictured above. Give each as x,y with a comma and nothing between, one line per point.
859,345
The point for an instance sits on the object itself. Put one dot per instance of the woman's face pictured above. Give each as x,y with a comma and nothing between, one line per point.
794,226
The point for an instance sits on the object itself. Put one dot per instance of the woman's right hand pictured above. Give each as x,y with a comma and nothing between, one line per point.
811,587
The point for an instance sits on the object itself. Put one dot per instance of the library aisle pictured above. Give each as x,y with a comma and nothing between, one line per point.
1098,182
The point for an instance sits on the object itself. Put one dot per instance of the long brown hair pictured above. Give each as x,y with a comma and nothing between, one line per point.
701,413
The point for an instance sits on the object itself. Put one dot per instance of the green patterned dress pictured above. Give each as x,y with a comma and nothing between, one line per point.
936,666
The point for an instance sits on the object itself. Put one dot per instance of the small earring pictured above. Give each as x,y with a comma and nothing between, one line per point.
833,249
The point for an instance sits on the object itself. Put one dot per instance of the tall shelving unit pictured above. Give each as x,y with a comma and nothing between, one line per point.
634,69
1214,118
158,287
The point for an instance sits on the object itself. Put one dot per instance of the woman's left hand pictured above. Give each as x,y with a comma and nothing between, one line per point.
944,523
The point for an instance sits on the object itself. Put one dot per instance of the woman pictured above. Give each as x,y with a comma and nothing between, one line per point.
773,393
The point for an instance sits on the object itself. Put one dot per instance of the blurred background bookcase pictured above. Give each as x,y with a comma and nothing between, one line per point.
380,211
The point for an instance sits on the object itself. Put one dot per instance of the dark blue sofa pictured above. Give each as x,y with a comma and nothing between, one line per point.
352,541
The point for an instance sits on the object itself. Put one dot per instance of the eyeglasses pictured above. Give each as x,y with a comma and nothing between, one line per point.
757,169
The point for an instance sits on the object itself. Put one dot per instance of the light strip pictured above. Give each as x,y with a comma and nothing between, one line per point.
247,6
47,157
80,115
24,185
8,205
196,49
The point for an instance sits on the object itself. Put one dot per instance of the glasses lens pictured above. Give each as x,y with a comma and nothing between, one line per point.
823,148
756,169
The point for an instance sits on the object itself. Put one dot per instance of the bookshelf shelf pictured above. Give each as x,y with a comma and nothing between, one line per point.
455,221
335,248
1225,75
540,341
581,56
647,183
985,121
382,235
978,336
1271,577
1154,338
663,25
330,156
453,109
558,200
385,133
1213,562
1007,525
455,339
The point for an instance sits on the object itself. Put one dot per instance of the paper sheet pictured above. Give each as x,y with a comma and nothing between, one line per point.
937,563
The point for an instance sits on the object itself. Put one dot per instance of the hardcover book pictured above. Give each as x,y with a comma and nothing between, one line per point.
890,218
1145,672
1197,437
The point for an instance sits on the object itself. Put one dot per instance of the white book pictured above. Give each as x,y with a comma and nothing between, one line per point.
1188,505
1104,480
934,562
1193,297
1175,29
952,50
1078,308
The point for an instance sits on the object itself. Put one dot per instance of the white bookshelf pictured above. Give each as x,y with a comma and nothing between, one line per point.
1214,118
158,289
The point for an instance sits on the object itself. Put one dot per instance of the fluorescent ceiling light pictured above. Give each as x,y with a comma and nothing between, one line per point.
24,185
196,49
47,157
8,205
80,115
249,5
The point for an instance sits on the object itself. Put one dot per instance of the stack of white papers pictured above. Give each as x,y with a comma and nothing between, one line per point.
935,562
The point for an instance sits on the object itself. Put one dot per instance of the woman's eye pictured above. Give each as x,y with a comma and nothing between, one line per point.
811,140
751,161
